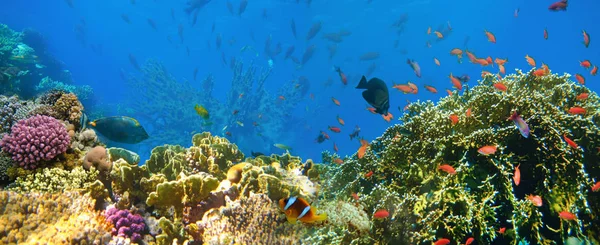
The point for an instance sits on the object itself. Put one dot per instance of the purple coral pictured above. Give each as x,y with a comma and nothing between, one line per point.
125,223
36,139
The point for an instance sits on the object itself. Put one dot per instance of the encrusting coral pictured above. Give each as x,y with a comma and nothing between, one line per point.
65,218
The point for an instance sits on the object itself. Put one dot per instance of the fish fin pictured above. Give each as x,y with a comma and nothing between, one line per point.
320,217
363,83
291,220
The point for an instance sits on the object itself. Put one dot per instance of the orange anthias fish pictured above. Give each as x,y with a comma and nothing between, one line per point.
500,62
487,150
335,101
582,96
501,69
456,82
447,168
586,39
363,148
585,64
536,200
545,34
490,36
468,113
438,34
429,30
437,62
517,175
596,186
469,241
456,51
340,120
342,75
580,78
338,161
566,215
296,208
500,86
570,142
594,71
442,241
431,89
335,148
575,110
530,60
335,129
369,174
381,214
502,230
453,119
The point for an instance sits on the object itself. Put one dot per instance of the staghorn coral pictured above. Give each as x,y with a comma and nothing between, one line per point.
36,139
251,220
54,180
426,203
65,218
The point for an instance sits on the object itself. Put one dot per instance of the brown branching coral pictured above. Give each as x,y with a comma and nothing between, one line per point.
69,108
250,220
66,218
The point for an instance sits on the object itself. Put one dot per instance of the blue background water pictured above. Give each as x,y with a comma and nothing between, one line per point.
371,29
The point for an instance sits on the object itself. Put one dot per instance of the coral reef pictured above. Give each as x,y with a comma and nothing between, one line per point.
69,108
47,84
250,220
125,223
36,139
481,198
65,218
54,180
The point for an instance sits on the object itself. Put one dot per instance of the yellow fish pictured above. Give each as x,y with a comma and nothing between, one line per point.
201,111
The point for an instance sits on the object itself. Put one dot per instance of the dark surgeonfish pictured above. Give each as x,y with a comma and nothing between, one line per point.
376,94
256,154
120,129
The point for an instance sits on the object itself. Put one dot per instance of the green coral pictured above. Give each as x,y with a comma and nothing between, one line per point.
186,190
46,84
9,40
481,197
168,160
212,154
54,180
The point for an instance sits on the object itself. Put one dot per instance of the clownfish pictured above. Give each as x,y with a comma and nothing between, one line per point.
296,208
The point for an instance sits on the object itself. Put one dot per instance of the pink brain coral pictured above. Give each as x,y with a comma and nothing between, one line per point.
35,139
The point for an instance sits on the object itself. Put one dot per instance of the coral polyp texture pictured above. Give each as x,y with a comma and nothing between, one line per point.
483,199
36,139
125,223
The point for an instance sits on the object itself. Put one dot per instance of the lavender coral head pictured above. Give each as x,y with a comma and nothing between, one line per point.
125,223
35,139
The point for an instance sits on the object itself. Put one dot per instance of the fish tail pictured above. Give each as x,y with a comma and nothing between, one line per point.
362,83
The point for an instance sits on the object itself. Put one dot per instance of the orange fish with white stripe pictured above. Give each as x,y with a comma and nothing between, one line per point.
296,208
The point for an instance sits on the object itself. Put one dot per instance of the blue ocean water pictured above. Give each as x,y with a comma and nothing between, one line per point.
94,42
